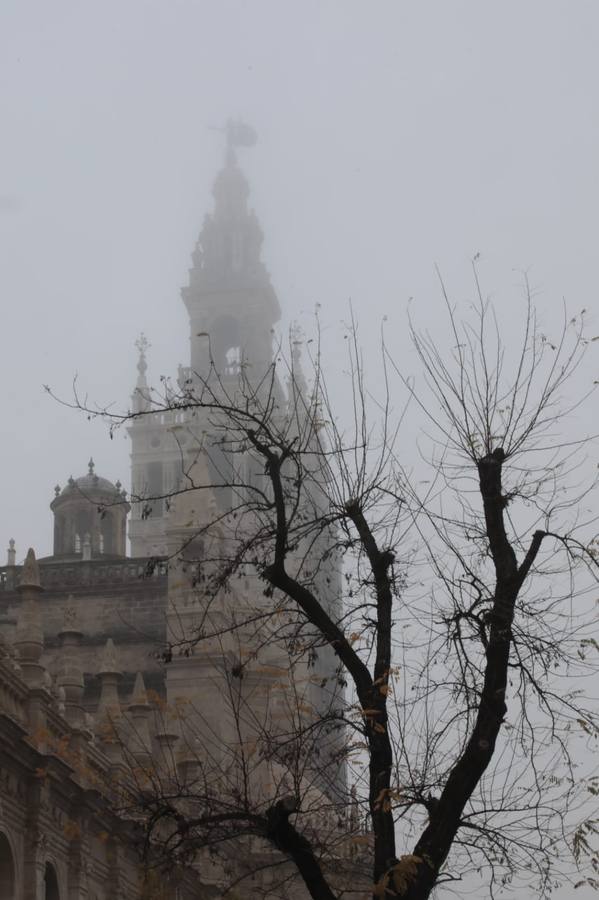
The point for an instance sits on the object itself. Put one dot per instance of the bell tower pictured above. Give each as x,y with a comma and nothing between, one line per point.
230,300
232,310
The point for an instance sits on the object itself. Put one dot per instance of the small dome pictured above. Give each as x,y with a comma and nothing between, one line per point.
90,483
90,516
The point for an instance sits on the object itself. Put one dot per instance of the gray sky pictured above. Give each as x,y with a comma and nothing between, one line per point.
392,136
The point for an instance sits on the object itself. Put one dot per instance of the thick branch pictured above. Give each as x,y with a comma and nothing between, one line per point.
531,555
489,473
278,577
380,562
371,694
276,828
381,755
288,840
436,840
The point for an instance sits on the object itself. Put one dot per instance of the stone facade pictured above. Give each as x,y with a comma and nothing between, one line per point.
61,837
111,598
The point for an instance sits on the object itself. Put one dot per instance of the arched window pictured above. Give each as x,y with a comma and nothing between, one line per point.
226,345
51,883
233,361
7,870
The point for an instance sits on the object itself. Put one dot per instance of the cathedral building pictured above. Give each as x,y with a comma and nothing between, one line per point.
85,632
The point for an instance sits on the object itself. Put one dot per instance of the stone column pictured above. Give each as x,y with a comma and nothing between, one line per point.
109,707
70,674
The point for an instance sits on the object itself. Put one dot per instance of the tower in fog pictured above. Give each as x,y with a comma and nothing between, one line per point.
232,309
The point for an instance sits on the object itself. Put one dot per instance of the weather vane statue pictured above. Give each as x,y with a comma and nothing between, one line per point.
238,134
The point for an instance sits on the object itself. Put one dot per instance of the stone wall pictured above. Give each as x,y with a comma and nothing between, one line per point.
114,599
59,836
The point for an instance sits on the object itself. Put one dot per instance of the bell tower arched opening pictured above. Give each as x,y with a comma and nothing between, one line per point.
225,345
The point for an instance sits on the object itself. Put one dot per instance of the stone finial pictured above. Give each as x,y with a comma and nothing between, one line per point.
142,344
141,394
11,553
139,697
108,662
139,740
56,490
90,466
30,576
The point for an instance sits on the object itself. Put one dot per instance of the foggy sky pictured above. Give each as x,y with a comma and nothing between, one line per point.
393,136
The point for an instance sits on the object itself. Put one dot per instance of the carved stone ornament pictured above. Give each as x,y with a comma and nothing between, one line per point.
69,616
41,844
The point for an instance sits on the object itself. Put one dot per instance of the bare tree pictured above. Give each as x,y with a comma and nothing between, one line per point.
443,674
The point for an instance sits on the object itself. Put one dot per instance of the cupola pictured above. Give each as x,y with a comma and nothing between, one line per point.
90,515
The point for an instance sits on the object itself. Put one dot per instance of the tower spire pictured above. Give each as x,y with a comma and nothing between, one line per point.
230,297
141,395
232,311
297,381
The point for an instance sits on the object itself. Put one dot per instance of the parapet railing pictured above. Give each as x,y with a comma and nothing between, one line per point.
86,572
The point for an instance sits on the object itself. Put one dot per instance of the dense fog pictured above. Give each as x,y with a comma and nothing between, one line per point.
392,137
